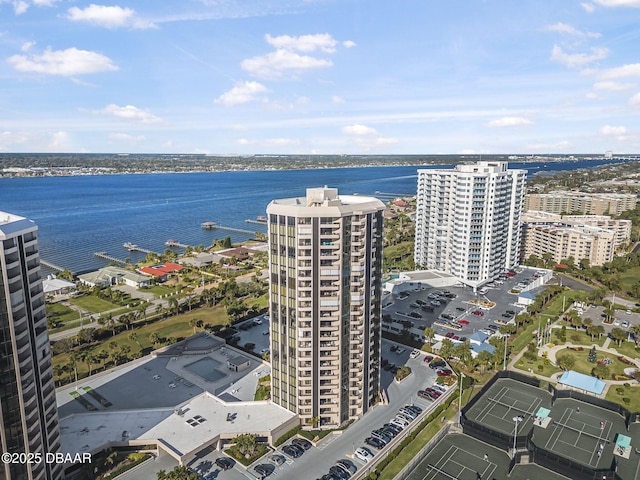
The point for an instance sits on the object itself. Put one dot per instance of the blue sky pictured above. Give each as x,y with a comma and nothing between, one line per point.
320,76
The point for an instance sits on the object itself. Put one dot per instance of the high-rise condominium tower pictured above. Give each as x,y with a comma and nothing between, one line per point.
325,267
468,220
28,412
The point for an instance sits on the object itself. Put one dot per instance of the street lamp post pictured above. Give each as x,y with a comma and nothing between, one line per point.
517,420
460,401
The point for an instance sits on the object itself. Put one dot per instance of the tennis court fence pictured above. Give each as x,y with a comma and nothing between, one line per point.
409,467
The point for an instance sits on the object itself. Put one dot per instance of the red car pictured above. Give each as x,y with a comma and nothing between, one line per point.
449,334
455,338
463,322
427,359
478,312
443,372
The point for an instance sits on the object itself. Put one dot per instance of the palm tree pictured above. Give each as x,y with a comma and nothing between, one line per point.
154,337
133,336
429,333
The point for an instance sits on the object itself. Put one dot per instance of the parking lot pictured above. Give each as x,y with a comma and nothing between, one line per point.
422,307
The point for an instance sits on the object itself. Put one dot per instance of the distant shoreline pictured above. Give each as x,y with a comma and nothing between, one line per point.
71,165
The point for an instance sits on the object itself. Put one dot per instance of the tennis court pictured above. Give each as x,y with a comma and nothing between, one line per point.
505,401
460,457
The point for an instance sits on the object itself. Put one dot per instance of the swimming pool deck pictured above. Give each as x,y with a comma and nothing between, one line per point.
136,403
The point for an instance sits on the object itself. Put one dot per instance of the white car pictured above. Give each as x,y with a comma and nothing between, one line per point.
628,312
414,354
364,454
400,420
616,323
257,321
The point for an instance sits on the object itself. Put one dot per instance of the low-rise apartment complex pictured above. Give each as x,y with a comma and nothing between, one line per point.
564,240
587,203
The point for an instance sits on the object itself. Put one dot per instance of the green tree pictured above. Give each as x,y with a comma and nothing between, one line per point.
246,444
618,335
484,358
180,472
601,371
566,362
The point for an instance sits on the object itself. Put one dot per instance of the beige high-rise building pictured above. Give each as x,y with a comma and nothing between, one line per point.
28,412
468,220
325,263
586,203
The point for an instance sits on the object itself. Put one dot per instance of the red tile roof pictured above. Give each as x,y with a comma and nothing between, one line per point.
161,270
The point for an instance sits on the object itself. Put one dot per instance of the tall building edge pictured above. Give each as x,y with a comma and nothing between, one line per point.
28,411
325,264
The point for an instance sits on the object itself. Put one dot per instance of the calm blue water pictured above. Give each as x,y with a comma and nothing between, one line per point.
78,216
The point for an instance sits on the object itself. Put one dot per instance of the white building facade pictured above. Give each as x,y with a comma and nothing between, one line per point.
325,262
468,220
28,412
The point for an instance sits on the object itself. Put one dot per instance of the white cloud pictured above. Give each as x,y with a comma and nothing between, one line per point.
21,6
269,142
367,138
71,61
619,3
349,44
629,70
588,7
615,131
509,122
128,112
243,92
106,16
276,64
304,43
358,130
635,100
337,99
58,141
578,59
126,138
612,86
571,30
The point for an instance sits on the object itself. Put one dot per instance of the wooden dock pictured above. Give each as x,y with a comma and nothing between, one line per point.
104,256
256,222
52,266
237,230
175,243
136,248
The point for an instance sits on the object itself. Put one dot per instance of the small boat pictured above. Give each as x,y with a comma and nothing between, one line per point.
130,246
208,225
261,218
171,243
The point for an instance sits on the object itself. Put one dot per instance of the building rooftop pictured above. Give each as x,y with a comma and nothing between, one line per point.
582,382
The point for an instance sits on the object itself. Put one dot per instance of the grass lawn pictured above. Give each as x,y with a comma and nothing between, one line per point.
629,277
583,366
580,337
627,348
59,313
93,304
177,327
547,368
632,393
158,290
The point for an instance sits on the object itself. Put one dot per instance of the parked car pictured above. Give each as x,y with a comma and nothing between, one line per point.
400,350
463,322
293,451
447,316
478,312
224,463
414,354
460,309
426,395
263,470
443,372
302,443
364,454
347,465
375,442
339,472
380,435
435,303
427,358
437,364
